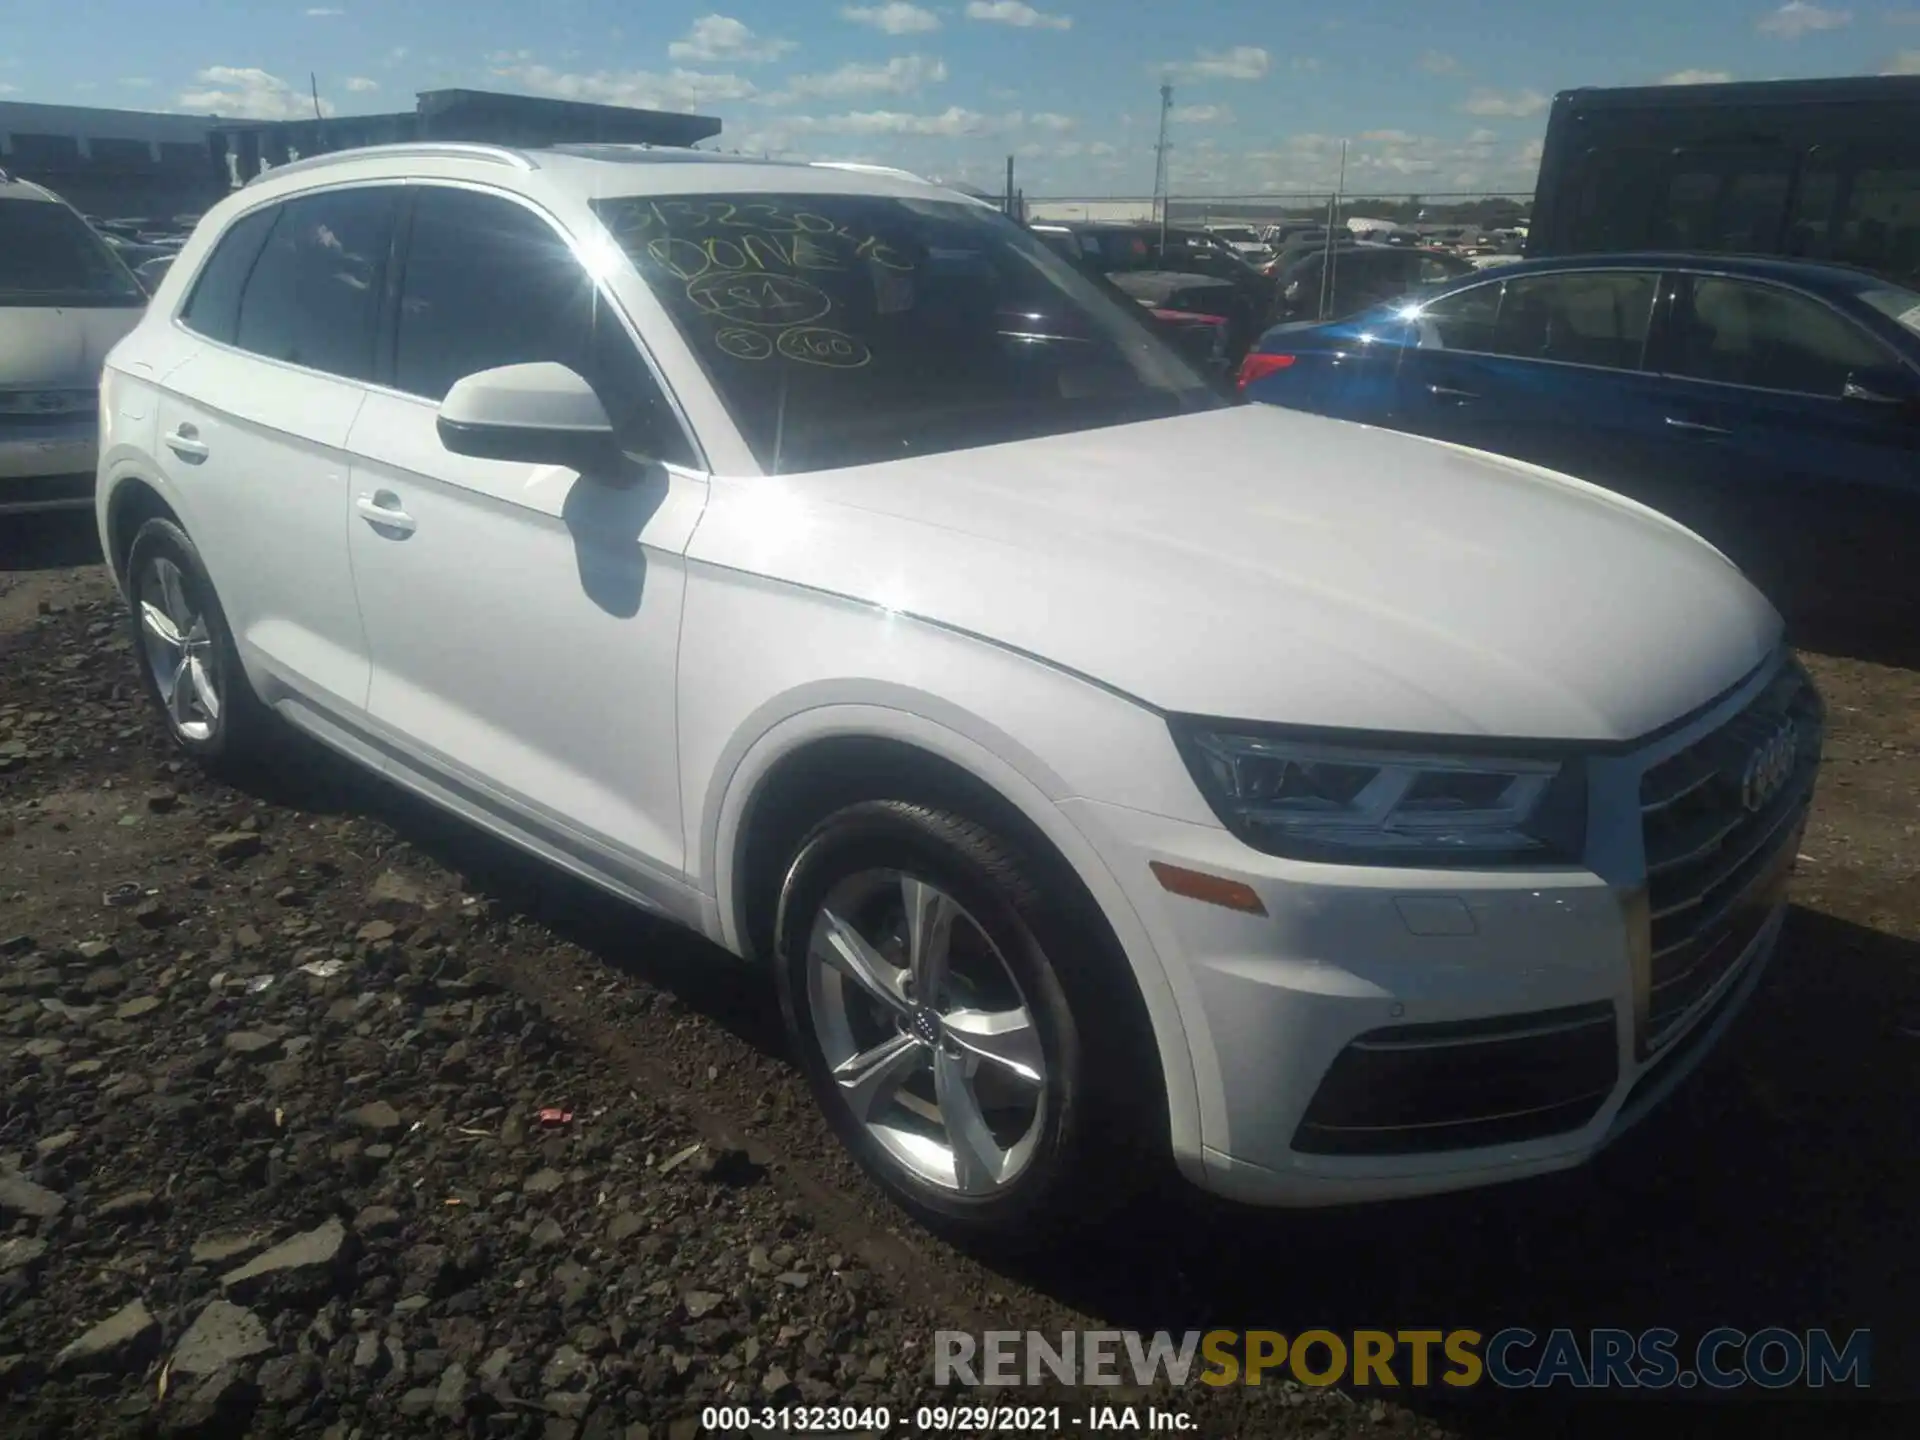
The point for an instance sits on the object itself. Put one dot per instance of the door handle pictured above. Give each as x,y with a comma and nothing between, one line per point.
1694,427
1447,392
382,510
184,440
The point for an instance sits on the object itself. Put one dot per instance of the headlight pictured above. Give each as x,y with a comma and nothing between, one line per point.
1357,805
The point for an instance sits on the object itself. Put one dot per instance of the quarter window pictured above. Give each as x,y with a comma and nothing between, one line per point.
490,283
1742,333
313,298
1461,321
213,309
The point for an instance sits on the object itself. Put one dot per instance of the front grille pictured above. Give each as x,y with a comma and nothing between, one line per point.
46,489
1720,820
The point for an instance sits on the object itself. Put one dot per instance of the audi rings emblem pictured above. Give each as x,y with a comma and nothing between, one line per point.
1769,768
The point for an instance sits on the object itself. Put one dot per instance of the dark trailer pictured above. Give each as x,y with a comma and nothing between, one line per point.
242,149
1815,169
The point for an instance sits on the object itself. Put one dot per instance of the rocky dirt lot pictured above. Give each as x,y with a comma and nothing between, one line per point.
321,1114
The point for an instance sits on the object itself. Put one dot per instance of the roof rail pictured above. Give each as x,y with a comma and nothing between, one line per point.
407,150
865,169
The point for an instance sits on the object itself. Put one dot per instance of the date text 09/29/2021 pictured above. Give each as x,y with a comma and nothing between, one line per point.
844,1420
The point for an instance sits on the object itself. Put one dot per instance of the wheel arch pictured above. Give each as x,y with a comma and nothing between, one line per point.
133,497
826,755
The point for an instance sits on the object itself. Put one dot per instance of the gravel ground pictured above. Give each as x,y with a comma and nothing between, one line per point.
321,1114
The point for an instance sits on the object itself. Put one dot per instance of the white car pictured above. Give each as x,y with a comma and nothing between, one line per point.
1244,241
1103,770
65,298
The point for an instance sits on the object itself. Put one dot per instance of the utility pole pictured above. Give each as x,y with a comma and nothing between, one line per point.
1160,163
313,83
1009,201
1333,219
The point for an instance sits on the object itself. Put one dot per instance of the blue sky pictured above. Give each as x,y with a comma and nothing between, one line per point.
1433,95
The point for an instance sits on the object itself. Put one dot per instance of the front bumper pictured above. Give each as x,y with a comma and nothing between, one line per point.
48,464
1382,1033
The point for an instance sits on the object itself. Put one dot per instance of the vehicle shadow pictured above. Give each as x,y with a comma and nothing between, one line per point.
1775,1188
54,540
306,776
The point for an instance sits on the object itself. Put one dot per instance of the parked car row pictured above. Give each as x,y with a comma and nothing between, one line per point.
1773,406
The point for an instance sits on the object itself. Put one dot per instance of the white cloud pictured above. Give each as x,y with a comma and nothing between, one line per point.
676,90
245,93
902,75
1242,62
6,89
1200,115
136,82
1531,152
360,84
323,12
1389,137
719,39
1483,137
395,56
1907,62
1047,120
894,18
1797,18
1012,12
1515,107
1696,77
1438,62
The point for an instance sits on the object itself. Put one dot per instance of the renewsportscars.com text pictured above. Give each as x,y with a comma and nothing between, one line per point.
1514,1358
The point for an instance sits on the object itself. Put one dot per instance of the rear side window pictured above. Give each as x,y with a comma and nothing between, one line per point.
49,257
1740,332
1580,319
489,283
313,298
213,309
1461,321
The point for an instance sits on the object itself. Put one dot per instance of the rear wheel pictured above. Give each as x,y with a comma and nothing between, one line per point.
925,983
188,661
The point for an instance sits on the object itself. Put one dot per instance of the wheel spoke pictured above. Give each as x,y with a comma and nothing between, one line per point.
977,1160
158,624
870,1079
1006,1039
179,695
205,692
838,944
930,917
173,595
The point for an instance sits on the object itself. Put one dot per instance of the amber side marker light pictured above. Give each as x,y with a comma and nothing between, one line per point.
1211,888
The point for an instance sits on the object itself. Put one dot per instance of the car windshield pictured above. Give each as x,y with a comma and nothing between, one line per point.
1237,234
850,329
48,256
1897,302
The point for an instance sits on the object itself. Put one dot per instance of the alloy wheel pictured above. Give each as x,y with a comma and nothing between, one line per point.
925,1032
179,651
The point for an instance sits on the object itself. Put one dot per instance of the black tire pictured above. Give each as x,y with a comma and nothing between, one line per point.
243,728
1099,1107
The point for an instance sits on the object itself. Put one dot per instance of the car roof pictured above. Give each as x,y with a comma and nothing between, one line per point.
1812,274
14,189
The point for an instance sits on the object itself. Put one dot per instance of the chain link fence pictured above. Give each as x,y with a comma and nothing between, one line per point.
1487,209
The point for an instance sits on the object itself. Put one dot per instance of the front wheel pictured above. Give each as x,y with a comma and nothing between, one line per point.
922,984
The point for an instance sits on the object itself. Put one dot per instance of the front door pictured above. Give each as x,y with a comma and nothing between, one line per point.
1814,492
523,620
280,342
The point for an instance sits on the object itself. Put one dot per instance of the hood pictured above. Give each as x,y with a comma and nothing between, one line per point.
55,348
1257,563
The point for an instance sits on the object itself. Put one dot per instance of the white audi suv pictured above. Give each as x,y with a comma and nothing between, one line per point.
1103,771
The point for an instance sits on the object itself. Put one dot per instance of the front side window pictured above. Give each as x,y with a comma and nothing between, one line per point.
313,298
1896,303
1597,318
49,256
488,283
1741,332
852,329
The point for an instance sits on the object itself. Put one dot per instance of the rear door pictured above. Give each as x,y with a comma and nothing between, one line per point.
1547,368
1815,493
252,432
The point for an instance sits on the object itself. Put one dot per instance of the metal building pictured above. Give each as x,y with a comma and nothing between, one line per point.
112,163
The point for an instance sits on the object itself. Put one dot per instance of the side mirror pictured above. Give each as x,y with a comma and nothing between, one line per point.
539,414
1888,386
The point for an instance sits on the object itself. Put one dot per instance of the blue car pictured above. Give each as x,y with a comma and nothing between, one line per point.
1771,405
